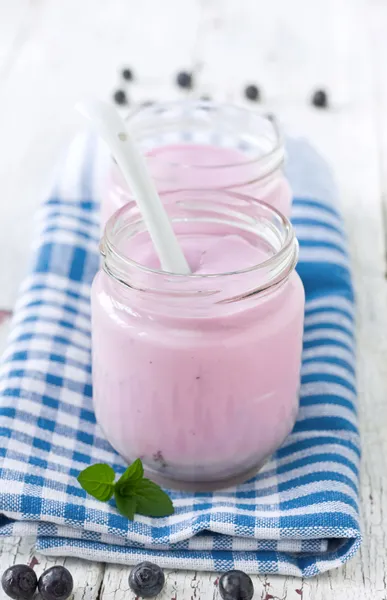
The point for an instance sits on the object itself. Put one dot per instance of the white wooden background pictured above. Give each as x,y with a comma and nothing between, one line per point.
52,52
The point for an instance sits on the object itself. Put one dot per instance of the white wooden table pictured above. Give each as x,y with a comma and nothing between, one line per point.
52,53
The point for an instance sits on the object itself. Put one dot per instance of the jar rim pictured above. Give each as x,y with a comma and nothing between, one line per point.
275,156
282,262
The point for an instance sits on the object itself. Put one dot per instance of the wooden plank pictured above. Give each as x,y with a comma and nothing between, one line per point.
17,20
376,19
88,576
76,50
5,316
14,22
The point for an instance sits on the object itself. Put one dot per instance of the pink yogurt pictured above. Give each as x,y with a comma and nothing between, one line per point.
199,375
196,145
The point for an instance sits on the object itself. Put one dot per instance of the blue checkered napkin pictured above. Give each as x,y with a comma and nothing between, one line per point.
298,516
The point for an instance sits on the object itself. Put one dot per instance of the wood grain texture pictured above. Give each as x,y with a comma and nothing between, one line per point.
289,49
88,576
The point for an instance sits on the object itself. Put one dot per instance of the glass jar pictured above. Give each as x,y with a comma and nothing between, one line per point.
202,144
198,375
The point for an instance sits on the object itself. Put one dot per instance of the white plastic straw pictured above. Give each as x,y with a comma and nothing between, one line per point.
112,129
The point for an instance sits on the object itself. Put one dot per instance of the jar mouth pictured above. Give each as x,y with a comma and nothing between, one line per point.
151,124
187,207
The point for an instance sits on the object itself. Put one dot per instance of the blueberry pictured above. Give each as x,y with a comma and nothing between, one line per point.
146,579
120,97
127,74
19,582
184,80
320,99
236,585
252,93
56,584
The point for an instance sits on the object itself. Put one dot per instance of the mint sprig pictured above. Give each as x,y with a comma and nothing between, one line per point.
132,492
98,481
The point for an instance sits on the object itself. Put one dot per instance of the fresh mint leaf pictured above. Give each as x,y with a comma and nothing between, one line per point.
126,505
133,473
132,492
151,500
98,481
125,488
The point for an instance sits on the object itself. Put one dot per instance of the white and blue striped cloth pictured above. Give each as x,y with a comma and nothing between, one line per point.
298,516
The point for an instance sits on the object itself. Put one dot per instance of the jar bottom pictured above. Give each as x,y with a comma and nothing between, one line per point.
213,484
163,475
203,486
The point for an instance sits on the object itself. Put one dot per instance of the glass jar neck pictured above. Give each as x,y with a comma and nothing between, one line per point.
202,215
195,143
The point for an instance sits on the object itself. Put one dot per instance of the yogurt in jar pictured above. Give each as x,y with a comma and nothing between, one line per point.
199,375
